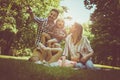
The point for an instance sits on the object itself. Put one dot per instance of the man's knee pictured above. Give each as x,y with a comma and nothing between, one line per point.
36,52
33,59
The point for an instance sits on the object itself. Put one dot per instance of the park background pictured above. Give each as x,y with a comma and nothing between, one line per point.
18,31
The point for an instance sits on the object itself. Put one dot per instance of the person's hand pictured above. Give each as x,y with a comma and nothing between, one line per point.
29,10
83,59
51,33
63,58
76,59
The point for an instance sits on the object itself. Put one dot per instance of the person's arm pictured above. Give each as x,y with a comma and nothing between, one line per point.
66,48
29,10
89,50
35,18
87,57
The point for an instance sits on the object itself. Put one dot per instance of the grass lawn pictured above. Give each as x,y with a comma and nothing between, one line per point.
21,69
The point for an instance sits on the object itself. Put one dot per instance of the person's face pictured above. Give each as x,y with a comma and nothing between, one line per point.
60,23
52,16
73,28
76,29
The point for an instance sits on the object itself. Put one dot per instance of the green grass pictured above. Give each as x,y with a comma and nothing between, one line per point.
21,69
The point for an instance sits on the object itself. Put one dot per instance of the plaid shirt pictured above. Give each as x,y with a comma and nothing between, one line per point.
43,26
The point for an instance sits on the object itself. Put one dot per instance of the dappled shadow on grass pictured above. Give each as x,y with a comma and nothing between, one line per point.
11,69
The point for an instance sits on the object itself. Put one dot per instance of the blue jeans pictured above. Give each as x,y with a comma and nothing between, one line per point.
87,65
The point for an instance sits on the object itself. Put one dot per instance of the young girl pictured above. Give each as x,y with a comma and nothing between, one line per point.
56,35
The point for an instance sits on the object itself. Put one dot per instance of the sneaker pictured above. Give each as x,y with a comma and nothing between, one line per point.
45,63
54,64
39,62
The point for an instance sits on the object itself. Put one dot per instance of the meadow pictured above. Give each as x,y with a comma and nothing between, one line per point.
21,69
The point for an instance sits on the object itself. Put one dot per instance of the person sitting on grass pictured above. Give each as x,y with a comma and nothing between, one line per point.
57,36
54,46
47,58
44,25
78,48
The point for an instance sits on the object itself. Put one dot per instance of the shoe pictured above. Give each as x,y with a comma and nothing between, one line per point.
54,64
39,62
45,63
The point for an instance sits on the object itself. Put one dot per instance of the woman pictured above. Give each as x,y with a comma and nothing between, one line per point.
77,48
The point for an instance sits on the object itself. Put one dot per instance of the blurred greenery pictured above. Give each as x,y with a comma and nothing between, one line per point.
18,31
106,30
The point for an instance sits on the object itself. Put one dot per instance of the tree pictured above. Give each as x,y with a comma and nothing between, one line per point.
106,29
13,15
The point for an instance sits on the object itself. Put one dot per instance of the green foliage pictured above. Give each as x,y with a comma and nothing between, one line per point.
13,15
105,27
87,30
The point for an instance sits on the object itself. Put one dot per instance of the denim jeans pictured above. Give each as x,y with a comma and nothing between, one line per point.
87,65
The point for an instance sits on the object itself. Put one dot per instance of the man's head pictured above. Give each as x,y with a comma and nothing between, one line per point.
53,15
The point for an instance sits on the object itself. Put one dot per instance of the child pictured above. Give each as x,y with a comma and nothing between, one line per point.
59,32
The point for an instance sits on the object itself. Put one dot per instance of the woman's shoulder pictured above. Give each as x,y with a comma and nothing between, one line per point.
84,37
68,36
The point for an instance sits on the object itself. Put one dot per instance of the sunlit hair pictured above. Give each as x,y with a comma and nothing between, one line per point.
61,19
79,28
55,10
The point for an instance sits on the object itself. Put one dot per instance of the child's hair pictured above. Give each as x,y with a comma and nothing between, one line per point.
60,19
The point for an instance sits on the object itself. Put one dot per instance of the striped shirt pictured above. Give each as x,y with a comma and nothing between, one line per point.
83,46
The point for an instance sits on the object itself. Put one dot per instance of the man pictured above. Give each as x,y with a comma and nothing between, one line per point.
44,25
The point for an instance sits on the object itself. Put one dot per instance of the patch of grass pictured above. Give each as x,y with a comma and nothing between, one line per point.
15,69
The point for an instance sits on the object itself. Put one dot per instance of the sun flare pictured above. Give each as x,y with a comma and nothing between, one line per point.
77,11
